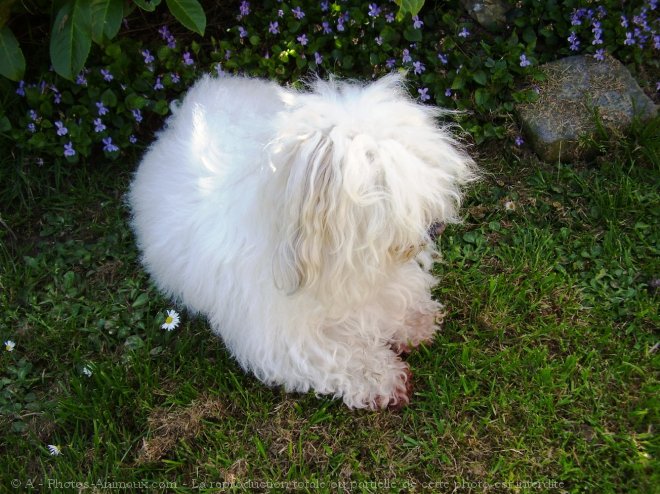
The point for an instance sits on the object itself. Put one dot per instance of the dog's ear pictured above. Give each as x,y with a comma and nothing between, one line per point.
309,206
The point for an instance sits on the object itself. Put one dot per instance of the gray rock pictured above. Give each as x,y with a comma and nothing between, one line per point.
578,92
491,14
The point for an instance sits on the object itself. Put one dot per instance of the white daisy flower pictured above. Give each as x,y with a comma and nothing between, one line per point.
54,450
172,320
86,371
10,345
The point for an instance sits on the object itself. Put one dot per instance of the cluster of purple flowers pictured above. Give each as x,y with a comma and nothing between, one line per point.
167,36
638,31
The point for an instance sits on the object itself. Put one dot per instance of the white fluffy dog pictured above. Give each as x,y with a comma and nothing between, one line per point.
297,221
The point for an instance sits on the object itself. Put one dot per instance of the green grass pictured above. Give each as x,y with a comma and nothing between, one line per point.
545,371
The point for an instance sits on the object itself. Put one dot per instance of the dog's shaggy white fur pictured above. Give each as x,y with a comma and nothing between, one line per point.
297,221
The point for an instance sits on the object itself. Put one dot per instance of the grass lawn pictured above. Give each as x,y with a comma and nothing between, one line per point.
545,371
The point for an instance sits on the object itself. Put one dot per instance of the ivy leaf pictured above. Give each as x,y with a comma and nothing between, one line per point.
12,61
189,13
71,39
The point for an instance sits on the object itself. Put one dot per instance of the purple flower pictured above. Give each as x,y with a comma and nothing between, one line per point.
68,149
158,85
374,10
280,13
132,139
442,58
61,129
242,32
326,27
390,63
340,25
656,42
175,78
302,39
148,57
378,40
57,97
101,109
423,93
325,6
107,75
318,58
244,8
298,13
417,23
519,141
524,62
81,80
389,17
575,17
600,55
274,28
33,115
624,21
418,67
98,125
137,115
167,36
464,33
598,32
21,88
629,39
574,41
187,58
31,127
405,56
448,92
108,146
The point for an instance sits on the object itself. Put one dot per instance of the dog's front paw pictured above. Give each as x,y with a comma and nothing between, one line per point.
419,327
395,390
400,396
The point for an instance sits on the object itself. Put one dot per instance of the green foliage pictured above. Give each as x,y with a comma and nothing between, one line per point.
76,23
450,62
12,61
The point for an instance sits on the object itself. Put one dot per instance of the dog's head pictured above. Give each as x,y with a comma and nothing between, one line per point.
365,172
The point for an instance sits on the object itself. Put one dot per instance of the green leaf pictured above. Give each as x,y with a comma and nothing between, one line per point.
12,61
189,13
480,77
481,97
411,6
414,35
148,5
106,19
389,35
71,38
